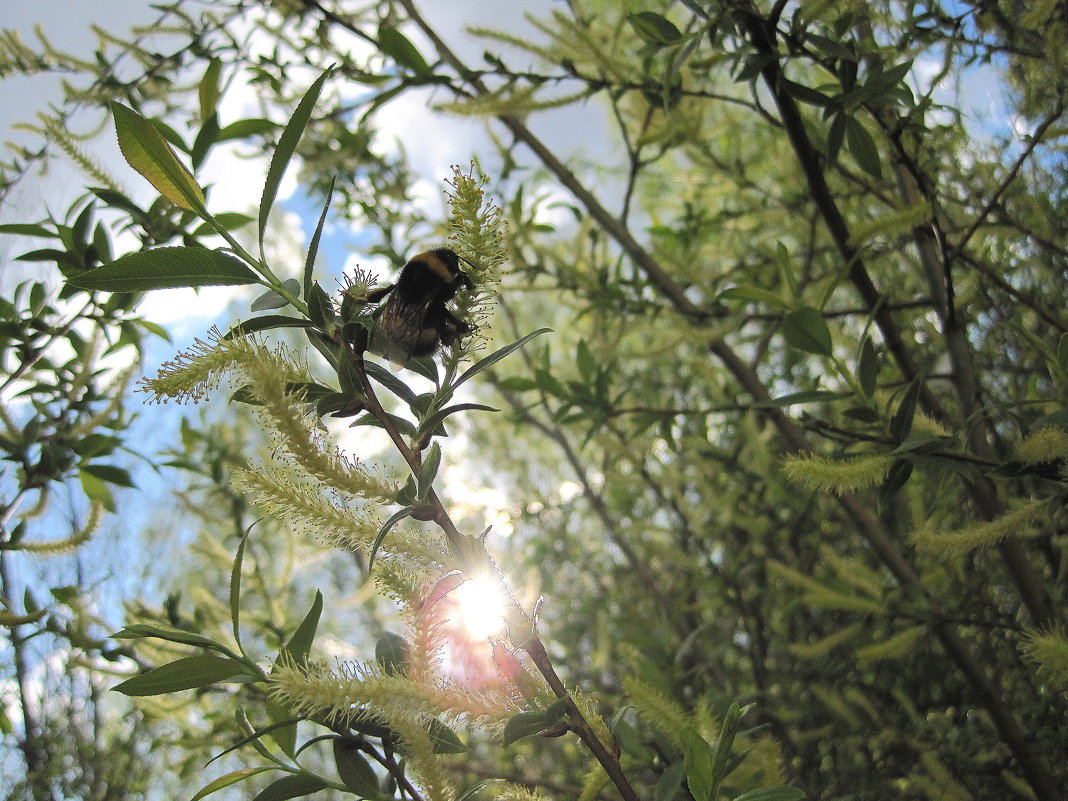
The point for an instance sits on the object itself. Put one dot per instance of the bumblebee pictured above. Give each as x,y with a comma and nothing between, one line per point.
415,320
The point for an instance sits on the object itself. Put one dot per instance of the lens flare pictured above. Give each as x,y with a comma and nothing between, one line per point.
480,607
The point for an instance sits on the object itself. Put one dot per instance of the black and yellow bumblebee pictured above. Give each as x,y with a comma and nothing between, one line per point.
415,319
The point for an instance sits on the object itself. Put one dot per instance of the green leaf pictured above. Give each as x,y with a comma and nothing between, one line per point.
228,221
291,787
786,270
445,739
697,762
896,478
862,147
654,29
781,793
313,248
805,329
525,724
266,322
300,643
881,83
166,268
242,129
432,422
670,782
584,360
835,137
389,381
517,383
393,520
228,779
868,367
723,746
806,94
901,424
208,89
254,736
428,471
320,309
287,145
809,396
97,490
397,46
754,294
109,473
354,771
916,441
269,300
145,149
235,587
140,630
155,329
296,650
862,414
496,356
391,652
26,229
182,674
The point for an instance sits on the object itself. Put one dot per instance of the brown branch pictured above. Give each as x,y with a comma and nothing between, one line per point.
810,162
1010,176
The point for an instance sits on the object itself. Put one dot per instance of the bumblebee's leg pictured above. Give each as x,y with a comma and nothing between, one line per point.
452,327
376,295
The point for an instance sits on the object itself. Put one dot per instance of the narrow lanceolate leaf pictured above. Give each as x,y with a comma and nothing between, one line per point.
145,149
723,746
393,520
398,47
287,145
863,148
654,29
300,643
166,268
183,674
313,248
783,792
901,424
428,471
208,89
806,330
697,761
235,587
139,630
291,787
265,323
355,771
496,356
226,780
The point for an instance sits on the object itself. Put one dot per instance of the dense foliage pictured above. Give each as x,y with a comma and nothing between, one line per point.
795,444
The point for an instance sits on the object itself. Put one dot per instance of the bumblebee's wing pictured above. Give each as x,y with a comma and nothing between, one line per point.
399,331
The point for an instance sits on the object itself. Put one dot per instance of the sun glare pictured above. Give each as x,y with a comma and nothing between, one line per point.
480,607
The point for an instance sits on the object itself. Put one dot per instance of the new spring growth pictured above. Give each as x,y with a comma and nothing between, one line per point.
476,233
268,375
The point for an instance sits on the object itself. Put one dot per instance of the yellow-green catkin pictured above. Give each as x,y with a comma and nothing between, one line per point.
836,475
193,373
476,233
75,539
1044,445
896,646
1049,651
1016,522
655,708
